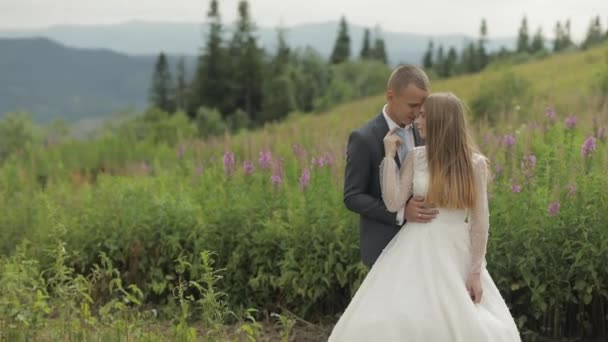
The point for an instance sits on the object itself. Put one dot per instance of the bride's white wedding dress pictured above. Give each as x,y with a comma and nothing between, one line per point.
416,289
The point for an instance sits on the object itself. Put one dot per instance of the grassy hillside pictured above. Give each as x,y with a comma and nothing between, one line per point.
563,81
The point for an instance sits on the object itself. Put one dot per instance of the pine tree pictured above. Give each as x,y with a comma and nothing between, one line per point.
366,50
440,62
481,45
278,81
427,60
451,62
594,33
210,84
181,86
247,71
161,91
523,39
538,41
562,37
469,59
379,50
558,42
341,52
567,37
281,60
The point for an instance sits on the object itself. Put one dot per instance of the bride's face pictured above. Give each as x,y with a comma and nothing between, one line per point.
421,123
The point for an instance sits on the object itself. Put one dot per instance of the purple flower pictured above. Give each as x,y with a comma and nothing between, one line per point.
265,159
516,188
498,168
588,147
248,167
571,122
318,162
571,190
199,170
508,141
181,151
530,161
550,114
299,151
276,179
601,133
304,179
228,162
553,209
328,158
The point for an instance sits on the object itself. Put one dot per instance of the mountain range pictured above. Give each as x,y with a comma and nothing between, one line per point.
76,72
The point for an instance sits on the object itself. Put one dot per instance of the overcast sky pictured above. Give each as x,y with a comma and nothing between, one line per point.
425,17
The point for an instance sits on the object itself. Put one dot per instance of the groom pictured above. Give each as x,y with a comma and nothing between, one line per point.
407,88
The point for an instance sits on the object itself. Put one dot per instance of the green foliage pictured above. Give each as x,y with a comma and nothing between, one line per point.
311,76
353,80
161,127
502,96
600,82
209,122
16,133
279,99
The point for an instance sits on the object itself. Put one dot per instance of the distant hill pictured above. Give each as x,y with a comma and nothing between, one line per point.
50,80
148,38
78,72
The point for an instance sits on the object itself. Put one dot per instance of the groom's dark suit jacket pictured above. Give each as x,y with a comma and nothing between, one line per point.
362,192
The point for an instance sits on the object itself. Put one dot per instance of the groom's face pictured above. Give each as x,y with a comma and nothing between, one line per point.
406,103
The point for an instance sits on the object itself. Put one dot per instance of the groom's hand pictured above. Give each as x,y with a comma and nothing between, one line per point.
417,210
391,143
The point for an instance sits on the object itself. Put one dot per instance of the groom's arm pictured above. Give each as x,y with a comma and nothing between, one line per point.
357,179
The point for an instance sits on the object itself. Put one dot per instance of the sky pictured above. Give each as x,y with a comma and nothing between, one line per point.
425,17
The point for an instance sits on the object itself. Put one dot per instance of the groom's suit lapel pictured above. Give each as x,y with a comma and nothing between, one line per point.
380,129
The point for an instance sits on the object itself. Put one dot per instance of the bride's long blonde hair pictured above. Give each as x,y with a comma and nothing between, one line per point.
449,153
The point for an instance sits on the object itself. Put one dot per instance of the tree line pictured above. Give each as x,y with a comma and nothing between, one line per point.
474,57
240,84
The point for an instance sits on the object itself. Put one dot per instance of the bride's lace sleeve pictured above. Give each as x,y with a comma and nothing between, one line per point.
396,184
479,217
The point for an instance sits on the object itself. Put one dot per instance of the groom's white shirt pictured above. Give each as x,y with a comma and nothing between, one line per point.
410,144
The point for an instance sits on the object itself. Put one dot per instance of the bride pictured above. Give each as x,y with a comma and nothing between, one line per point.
430,283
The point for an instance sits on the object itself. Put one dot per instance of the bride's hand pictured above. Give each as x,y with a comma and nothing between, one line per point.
391,143
474,287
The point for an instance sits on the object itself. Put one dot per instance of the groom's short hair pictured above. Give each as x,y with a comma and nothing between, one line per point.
406,74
